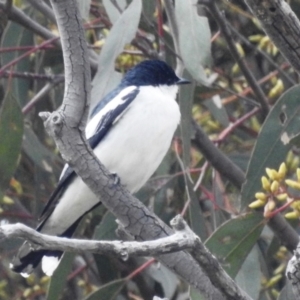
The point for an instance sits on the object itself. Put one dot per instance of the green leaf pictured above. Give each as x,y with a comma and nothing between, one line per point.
249,276
232,242
122,33
11,131
112,11
165,277
194,38
186,102
59,278
39,154
217,109
21,37
287,292
108,291
195,294
149,9
274,141
84,8
106,231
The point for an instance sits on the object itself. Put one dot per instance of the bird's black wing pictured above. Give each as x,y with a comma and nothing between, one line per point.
106,122
111,117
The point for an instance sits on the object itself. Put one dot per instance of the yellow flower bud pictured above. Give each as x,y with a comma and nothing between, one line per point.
264,42
277,89
295,163
255,38
31,279
235,69
298,174
265,183
256,204
282,197
271,205
274,186
296,205
261,196
271,173
274,50
292,215
289,159
274,280
240,49
44,280
293,184
36,288
280,269
16,185
282,170
7,200
27,293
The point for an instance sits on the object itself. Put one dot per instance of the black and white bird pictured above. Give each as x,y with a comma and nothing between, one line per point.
130,130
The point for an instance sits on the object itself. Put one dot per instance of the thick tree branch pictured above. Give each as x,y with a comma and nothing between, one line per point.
293,272
183,238
282,25
216,273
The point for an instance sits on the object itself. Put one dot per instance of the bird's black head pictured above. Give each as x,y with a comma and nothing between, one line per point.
152,72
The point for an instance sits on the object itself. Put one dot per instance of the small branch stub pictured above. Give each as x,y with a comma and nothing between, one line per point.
293,272
53,122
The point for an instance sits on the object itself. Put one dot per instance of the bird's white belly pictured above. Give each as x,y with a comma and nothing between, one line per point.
133,149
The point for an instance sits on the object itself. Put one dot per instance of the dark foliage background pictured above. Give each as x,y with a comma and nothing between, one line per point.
121,34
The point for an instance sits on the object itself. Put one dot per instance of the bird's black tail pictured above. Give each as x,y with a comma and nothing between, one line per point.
27,259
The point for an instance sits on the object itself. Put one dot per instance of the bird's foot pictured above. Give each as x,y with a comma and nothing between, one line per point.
115,178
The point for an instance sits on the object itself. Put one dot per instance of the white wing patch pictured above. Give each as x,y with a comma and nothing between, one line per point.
92,125
49,264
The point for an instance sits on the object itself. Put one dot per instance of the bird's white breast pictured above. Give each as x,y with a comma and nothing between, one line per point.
133,148
136,145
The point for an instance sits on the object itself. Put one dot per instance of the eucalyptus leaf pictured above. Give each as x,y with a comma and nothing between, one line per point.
165,277
122,33
287,292
232,242
274,141
249,276
84,8
194,39
195,294
217,109
108,291
11,133
114,8
106,231
59,278
186,94
21,37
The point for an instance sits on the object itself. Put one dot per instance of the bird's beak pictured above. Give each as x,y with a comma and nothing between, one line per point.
183,81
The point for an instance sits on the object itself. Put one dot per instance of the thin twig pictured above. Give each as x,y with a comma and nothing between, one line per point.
44,91
34,49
